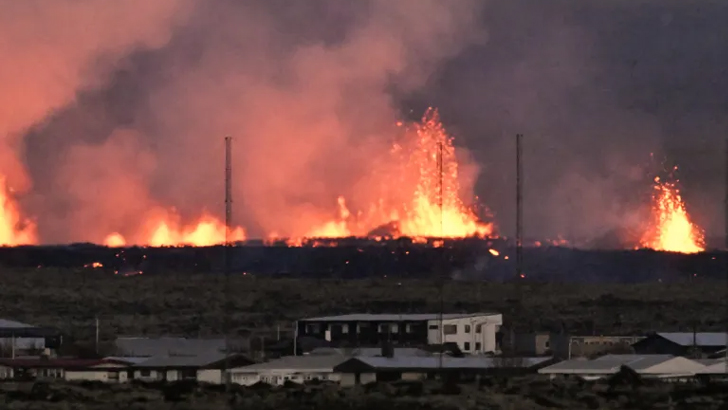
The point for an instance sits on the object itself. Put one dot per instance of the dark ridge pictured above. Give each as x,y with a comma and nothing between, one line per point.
358,258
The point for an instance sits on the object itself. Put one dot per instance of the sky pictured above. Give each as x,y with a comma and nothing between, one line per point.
112,112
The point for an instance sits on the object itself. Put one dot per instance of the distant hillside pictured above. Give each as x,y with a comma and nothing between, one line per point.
356,259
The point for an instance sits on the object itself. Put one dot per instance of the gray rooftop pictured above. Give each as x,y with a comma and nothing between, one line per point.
368,351
472,362
393,317
11,324
714,339
182,361
608,364
308,362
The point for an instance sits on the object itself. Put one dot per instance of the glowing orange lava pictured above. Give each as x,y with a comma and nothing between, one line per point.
671,229
426,199
167,231
14,230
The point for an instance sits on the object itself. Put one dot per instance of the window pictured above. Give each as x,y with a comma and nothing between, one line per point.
477,346
478,328
345,329
395,328
433,327
408,328
467,328
450,329
466,346
546,344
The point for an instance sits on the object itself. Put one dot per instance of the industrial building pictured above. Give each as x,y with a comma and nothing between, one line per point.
21,339
473,333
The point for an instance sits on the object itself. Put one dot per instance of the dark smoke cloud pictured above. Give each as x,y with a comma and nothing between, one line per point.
310,90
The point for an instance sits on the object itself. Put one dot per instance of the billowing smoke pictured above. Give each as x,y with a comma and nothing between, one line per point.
305,89
117,111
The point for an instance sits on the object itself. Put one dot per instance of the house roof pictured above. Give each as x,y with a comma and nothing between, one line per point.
308,362
719,367
126,359
169,346
368,351
611,364
37,363
393,317
11,324
24,343
202,360
703,339
474,362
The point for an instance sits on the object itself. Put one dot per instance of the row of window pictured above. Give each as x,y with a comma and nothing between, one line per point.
315,328
453,329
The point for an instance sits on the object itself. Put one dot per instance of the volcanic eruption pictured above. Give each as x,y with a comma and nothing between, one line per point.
421,193
14,230
671,229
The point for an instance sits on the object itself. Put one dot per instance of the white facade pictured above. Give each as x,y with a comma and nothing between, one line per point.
107,373
294,369
474,334
655,366
212,376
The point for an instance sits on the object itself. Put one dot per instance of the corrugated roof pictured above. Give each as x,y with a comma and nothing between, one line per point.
368,351
128,359
703,339
182,361
309,362
50,363
11,324
393,317
608,363
473,362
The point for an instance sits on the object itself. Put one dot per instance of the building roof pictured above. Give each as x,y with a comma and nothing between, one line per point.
719,367
609,364
62,363
703,339
168,346
11,324
300,363
368,351
472,362
394,317
126,359
202,360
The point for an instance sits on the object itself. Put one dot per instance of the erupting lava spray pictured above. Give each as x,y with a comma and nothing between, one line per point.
13,229
421,193
671,229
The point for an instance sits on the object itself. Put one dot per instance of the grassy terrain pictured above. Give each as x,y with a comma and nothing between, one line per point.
194,304
520,394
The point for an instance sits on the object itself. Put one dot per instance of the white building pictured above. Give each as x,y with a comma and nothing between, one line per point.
474,333
656,366
295,369
206,368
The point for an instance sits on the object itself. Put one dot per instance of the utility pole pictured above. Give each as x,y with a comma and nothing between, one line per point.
519,207
442,258
97,334
725,251
227,256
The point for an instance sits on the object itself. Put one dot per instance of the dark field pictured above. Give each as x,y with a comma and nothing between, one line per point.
622,391
193,304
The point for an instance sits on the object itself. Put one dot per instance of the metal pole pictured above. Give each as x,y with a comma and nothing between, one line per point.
97,334
227,256
725,251
442,261
519,207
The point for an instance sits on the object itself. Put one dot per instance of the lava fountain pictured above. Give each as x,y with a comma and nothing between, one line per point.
423,186
671,229
14,230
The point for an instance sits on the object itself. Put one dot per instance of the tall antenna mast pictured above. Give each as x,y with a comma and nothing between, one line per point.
519,208
442,261
227,256
725,251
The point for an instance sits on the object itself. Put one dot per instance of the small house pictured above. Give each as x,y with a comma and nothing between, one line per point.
207,368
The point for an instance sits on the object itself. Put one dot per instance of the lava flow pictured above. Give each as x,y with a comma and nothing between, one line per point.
671,229
424,186
167,231
13,229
